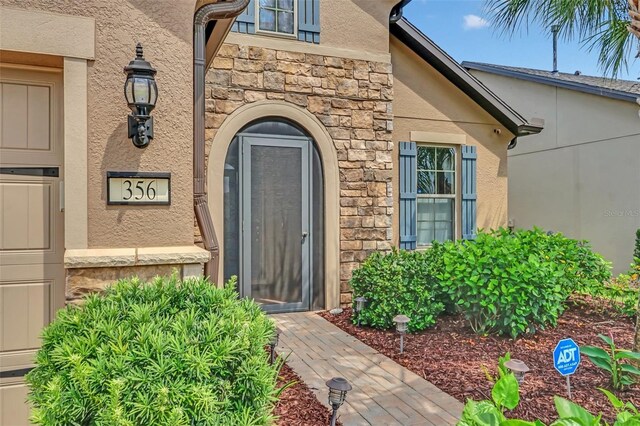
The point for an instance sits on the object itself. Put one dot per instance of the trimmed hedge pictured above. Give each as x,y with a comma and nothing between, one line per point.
503,282
166,352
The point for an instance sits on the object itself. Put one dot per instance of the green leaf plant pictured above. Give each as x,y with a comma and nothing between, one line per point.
613,362
505,395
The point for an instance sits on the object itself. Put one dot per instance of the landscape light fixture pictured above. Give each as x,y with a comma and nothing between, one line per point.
338,388
273,343
360,301
141,93
401,327
519,369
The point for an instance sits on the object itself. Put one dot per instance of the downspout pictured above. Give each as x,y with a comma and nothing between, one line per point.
210,12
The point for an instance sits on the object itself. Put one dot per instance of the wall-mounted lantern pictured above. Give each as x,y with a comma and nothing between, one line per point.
338,388
141,93
401,327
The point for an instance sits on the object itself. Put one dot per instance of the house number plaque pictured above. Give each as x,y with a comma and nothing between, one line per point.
138,188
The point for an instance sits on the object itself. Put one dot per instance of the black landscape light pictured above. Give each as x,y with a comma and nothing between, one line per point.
141,93
338,388
273,343
519,369
360,301
401,327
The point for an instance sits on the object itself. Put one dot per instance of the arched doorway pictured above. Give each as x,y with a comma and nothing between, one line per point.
274,216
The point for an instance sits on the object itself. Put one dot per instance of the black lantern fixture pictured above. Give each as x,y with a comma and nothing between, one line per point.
401,327
338,388
273,343
141,93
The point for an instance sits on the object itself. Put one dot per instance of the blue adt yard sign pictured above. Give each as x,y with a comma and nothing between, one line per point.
566,357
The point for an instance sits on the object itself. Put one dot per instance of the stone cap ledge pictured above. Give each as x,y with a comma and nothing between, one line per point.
116,257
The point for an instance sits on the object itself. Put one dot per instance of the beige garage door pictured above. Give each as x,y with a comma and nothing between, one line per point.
31,225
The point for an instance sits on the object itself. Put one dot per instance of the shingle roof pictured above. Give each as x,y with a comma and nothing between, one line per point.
618,89
460,77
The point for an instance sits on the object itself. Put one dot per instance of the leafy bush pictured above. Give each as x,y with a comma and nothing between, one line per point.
612,361
636,251
621,292
514,282
165,352
400,282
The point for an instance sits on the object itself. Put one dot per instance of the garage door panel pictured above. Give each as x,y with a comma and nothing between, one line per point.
25,308
13,399
14,116
26,210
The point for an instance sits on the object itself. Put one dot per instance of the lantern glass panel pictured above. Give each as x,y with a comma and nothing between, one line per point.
141,92
153,95
128,90
336,397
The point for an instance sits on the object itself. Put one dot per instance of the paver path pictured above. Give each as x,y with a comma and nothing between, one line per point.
384,393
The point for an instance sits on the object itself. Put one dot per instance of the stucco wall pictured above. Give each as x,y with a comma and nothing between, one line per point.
164,27
425,101
580,175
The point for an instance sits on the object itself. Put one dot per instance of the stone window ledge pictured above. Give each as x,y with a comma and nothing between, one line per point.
105,258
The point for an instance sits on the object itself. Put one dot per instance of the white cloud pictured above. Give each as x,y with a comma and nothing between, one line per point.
474,22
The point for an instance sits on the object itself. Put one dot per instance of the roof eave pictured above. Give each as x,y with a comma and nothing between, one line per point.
580,87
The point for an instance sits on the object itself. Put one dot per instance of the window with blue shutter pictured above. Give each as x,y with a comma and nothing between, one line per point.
469,192
279,17
408,195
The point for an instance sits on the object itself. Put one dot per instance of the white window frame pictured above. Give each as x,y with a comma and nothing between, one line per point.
276,33
455,196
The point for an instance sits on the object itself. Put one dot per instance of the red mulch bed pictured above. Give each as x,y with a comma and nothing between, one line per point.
451,356
298,405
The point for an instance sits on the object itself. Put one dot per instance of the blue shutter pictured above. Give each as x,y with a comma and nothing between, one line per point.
309,21
469,194
408,195
246,21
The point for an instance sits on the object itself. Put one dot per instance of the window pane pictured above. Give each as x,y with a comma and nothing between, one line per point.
443,231
285,22
426,158
425,209
426,233
285,5
267,3
446,183
446,158
426,182
267,20
443,209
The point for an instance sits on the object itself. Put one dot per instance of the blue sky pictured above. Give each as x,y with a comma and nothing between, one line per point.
460,27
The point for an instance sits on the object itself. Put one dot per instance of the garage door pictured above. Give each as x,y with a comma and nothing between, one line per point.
31,225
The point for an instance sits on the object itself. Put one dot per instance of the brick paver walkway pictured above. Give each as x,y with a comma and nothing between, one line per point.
384,393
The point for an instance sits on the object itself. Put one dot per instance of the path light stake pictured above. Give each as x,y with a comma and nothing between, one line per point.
273,343
338,388
360,301
519,369
401,327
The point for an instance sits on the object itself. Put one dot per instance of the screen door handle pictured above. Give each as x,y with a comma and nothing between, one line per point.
304,236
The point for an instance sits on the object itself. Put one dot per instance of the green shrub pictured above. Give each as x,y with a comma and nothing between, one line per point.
400,282
165,352
514,282
636,251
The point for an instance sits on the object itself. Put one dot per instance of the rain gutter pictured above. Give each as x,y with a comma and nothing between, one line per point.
208,13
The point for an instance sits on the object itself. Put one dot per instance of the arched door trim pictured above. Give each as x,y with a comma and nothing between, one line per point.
225,134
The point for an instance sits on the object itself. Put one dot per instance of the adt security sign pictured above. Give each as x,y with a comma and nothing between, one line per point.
566,357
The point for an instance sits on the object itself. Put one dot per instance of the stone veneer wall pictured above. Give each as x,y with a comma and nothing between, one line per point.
352,98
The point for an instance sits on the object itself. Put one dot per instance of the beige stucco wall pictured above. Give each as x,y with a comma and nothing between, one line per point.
580,175
164,27
424,101
357,29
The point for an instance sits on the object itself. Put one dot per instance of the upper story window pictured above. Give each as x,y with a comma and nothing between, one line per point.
277,16
436,195
298,19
